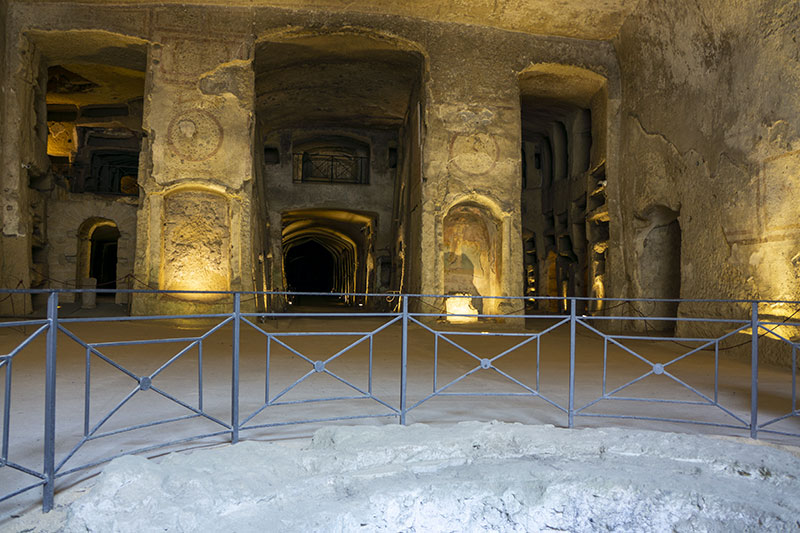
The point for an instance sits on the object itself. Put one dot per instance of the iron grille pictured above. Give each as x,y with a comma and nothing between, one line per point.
322,168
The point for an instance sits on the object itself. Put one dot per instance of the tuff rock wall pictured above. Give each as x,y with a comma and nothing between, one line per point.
710,136
3,16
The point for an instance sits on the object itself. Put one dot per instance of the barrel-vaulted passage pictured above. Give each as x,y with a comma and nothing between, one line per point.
328,250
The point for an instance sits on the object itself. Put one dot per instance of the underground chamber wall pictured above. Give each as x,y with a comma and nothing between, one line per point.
97,254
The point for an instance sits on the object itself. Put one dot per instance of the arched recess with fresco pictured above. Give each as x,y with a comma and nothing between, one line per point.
472,261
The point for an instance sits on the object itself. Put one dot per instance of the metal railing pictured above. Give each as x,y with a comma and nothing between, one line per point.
566,344
320,168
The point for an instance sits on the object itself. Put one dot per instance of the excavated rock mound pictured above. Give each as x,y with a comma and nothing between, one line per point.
465,477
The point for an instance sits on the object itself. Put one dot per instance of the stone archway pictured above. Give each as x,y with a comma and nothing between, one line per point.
340,239
96,265
472,254
659,272
91,233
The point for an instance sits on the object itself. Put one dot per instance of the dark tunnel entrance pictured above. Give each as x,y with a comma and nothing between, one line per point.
309,268
103,257
328,251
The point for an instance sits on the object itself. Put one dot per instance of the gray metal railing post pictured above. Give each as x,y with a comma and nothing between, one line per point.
754,371
6,416
237,315
49,471
404,362
572,320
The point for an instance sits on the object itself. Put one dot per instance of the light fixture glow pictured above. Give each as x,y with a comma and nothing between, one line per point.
460,310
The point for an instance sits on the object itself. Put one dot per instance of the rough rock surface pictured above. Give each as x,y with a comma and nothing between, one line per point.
466,477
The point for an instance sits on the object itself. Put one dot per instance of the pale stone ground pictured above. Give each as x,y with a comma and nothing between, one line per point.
466,477
109,386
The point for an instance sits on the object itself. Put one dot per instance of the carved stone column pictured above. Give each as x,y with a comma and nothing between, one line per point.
471,192
194,230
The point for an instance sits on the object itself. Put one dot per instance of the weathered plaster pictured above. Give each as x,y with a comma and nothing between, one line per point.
710,131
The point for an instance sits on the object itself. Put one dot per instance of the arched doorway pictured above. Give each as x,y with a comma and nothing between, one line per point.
103,256
340,113
563,118
660,265
472,254
328,250
98,240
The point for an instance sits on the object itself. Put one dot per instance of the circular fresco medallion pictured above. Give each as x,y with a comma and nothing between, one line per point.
195,135
474,153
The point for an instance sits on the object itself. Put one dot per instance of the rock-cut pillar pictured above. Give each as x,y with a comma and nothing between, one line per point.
472,243
196,173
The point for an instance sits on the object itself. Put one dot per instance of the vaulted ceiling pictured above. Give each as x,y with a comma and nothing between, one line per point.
334,80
